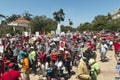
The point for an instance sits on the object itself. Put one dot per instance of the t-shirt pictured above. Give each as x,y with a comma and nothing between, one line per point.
32,55
103,48
54,56
25,64
14,73
116,46
59,64
95,66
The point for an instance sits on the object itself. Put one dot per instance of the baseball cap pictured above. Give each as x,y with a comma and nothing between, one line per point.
11,65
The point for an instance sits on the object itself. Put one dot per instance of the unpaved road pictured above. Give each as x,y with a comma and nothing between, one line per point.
108,69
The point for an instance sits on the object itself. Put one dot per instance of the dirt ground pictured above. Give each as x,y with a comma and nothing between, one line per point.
108,69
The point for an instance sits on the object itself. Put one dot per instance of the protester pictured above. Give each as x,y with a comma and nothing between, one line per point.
103,50
25,67
32,57
12,74
60,54
95,69
52,71
67,63
83,71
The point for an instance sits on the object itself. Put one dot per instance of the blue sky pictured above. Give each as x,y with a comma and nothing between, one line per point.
79,11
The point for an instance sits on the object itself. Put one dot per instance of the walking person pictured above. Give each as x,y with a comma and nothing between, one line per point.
103,51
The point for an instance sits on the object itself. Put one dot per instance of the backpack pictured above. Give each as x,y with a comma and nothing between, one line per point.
30,63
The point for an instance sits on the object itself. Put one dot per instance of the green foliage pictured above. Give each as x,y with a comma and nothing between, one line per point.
70,22
12,18
67,28
59,15
2,16
10,30
1,31
26,15
51,25
101,22
85,26
38,23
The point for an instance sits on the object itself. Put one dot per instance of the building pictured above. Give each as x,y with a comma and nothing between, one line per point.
21,23
116,14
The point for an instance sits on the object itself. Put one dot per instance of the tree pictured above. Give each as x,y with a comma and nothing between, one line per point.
99,22
51,25
67,28
27,16
12,18
109,17
85,26
70,22
1,17
59,15
38,23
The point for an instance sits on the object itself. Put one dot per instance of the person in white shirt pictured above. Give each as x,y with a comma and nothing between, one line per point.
110,45
103,50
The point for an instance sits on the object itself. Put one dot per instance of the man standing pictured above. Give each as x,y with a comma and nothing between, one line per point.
33,59
25,67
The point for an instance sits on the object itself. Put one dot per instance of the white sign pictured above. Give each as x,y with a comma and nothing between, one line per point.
0,41
62,33
37,34
52,32
7,35
26,34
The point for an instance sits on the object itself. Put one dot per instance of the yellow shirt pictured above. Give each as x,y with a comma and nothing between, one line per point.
25,65
82,71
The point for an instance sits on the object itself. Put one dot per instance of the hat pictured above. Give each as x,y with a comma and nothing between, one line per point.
67,52
32,47
11,65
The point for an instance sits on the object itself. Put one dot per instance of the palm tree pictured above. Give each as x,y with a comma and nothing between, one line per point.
59,16
1,17
70,22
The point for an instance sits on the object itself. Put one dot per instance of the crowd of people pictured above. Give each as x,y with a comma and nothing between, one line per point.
53,56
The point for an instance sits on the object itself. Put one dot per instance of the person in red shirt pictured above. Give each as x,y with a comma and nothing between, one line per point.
91,45
54,55
116,47
11,74
42,57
